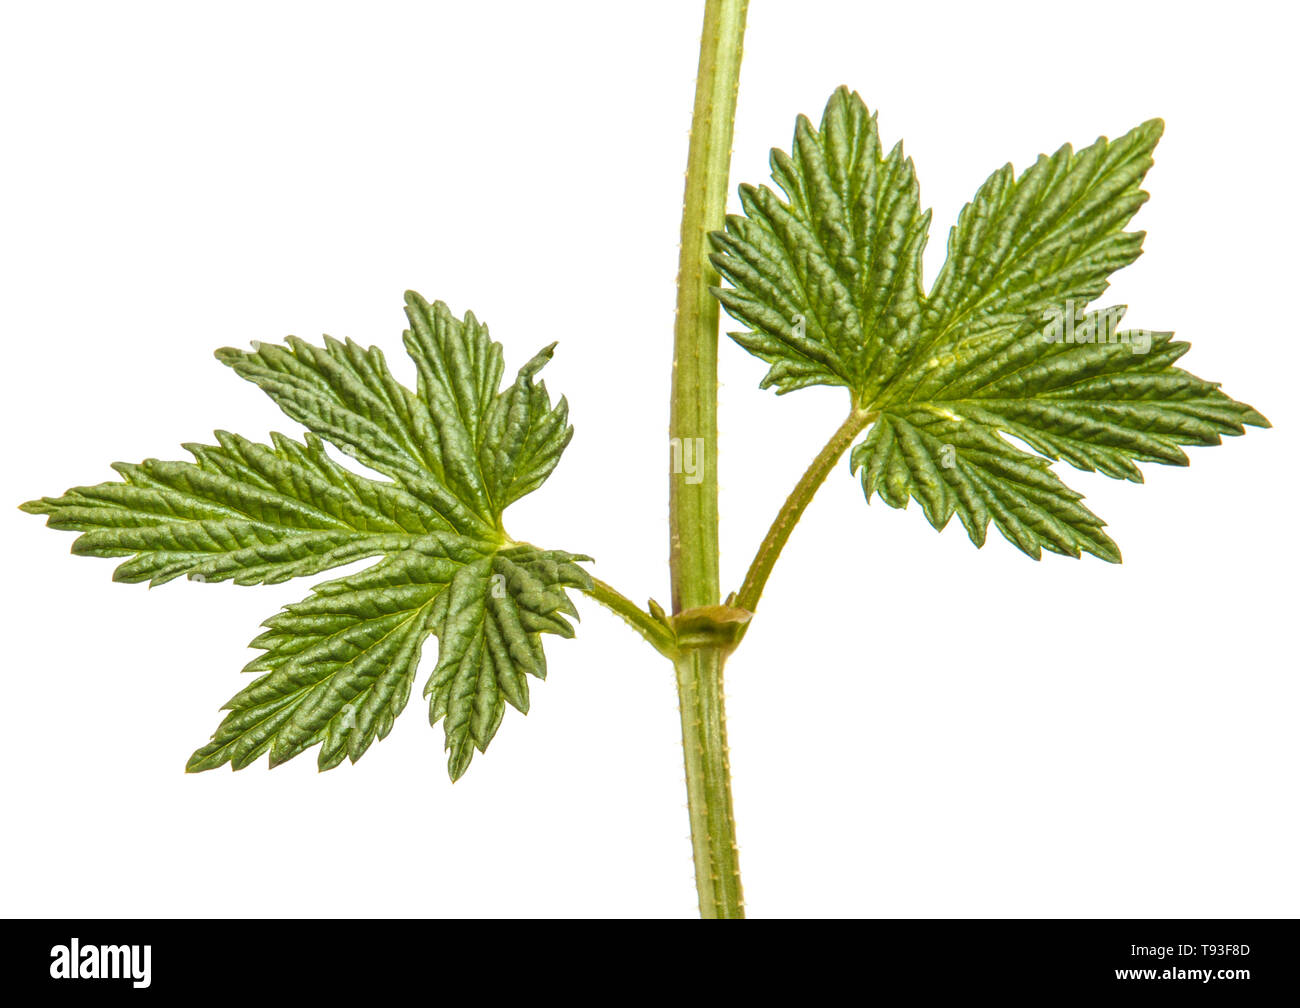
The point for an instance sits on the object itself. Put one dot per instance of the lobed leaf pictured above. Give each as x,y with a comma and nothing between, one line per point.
338,666
1001,345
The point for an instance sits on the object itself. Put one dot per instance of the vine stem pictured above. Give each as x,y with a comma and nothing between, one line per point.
708,783
693,428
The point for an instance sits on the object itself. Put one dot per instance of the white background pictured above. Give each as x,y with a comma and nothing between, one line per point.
918,728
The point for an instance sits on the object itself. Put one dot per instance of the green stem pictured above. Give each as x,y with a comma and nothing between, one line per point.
765,559
693,497
659,636
708,784
693,489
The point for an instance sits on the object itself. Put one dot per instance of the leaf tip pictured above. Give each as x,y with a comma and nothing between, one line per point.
1109,552
198,762
458,761
1251,417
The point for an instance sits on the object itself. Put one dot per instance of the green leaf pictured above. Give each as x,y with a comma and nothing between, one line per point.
952,466
248,512
829,282
489,623
338,666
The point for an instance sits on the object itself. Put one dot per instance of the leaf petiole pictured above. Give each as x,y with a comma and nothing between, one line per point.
793,508
655,633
